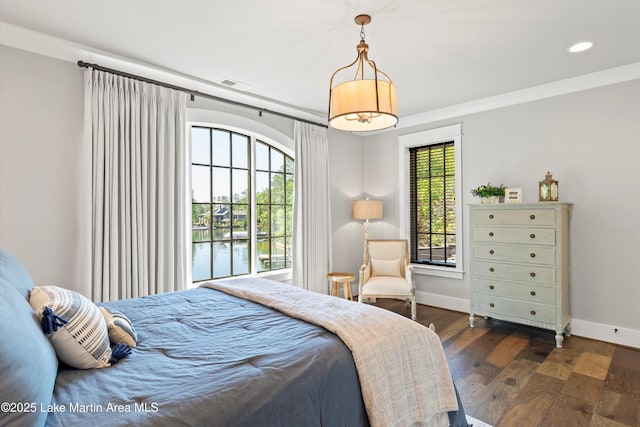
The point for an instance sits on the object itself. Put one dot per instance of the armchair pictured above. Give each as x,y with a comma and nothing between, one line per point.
387,272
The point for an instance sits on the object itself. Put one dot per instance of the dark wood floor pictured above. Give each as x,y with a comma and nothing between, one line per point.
513,375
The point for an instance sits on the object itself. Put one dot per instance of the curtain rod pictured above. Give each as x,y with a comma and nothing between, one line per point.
193,93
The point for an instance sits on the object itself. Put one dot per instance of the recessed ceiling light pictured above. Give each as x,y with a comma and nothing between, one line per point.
580,47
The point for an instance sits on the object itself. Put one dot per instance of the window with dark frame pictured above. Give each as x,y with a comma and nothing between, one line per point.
222,199
274,207
432,204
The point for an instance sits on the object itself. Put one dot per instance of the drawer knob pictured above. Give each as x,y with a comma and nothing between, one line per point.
532,216
533,236
491,305
491,234
491,287
532,255
491,269
491,251
533,293
490,216
533,312
532,274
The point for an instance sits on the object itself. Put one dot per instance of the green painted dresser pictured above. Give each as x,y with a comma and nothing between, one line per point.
520,264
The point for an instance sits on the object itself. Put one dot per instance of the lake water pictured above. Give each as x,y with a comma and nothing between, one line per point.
229,256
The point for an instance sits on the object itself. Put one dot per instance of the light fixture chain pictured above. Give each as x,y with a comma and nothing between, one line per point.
362,32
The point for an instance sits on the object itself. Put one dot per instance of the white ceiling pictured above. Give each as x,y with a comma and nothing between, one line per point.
438,52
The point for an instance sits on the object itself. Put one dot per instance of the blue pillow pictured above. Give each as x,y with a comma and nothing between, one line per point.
15,274
28,363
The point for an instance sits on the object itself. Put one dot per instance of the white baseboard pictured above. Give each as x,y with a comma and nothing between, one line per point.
582,328
608,333
443,301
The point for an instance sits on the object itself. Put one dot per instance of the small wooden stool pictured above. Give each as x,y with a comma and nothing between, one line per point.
345,279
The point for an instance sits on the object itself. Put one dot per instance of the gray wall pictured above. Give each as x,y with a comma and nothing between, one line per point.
590,141
41,116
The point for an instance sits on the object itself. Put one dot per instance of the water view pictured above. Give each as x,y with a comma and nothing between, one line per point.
231,255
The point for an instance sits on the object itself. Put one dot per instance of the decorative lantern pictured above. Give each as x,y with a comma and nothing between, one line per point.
548,189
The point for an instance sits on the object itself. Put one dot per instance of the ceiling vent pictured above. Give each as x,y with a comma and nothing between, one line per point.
234,84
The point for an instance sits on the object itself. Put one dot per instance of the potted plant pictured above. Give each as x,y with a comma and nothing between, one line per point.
489,193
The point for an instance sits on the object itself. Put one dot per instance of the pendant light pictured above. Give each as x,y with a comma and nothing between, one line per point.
368,102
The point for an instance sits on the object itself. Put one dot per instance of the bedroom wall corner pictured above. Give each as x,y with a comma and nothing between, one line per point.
346,163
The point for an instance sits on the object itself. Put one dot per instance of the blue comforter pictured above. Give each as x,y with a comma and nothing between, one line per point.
205,358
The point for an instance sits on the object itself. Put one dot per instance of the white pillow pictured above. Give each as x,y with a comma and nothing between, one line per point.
83,341
385,267
120,328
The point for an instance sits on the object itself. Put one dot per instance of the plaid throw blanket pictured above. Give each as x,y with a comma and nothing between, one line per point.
404,376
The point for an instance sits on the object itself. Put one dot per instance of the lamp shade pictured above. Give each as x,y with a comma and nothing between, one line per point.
357,106
367,209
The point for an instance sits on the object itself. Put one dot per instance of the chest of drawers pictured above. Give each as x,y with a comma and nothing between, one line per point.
520,264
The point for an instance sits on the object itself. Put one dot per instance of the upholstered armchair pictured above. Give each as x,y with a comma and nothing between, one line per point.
387,272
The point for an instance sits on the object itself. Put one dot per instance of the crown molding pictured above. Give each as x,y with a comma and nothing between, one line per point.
65,50
43,44
574,84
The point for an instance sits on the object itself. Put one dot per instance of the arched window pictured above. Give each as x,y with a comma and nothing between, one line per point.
241,204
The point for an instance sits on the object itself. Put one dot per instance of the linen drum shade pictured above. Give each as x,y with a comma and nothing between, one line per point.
367,209
354,104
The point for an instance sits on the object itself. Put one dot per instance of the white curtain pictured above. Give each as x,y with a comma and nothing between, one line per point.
136,131
312,209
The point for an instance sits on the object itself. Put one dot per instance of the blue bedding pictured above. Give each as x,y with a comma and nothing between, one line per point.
205,358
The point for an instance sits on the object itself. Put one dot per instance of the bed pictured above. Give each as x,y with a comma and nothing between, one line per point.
205,356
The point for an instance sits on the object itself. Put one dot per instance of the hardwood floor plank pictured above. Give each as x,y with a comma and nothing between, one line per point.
494,401
529,413
624,380
618,407
504,389
598,421
541,383
475,354
517,373
471,390
569,411
559,364
537,350
578,385
530,407
593,365
506,351
452,329
626,358
460,363
464,339
581,344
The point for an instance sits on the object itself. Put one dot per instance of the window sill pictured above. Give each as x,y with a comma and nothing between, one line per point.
433,270
284,275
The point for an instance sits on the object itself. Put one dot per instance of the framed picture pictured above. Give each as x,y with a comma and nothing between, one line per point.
513,195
